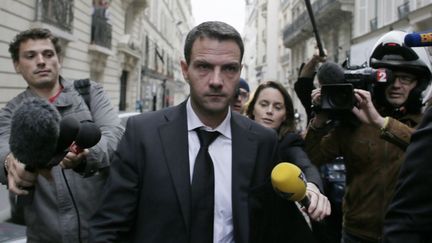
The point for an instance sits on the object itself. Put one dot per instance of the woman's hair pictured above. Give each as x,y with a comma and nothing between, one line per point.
288,125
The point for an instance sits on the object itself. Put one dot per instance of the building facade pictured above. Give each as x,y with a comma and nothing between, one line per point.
279,38
374,18
131,47
261,37
89,32
161,29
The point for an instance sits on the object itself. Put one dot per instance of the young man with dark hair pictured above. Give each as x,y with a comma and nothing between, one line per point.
51,216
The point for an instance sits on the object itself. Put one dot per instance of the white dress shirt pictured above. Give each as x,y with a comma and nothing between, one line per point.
221,153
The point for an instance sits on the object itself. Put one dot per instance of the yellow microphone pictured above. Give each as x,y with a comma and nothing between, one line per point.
290,183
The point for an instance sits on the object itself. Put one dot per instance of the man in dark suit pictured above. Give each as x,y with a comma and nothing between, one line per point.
150,195
409,217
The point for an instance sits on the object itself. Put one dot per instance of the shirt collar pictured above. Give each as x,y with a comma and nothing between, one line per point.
194,122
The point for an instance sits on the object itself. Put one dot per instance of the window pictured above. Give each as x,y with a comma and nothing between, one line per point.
403,10
101,29
58,13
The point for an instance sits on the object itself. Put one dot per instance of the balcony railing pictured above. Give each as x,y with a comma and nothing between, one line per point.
285,58
403,10
325,12
373,23
101,30
58,13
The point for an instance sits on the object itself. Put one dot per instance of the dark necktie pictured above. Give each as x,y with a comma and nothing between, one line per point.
203,191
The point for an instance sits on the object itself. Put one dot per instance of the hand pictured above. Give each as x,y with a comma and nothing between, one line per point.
72,160
319,207
320,118
316,97
309,68
18,177
365,110
317,58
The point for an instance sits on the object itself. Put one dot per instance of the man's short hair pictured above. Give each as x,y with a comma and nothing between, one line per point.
33,34
214,30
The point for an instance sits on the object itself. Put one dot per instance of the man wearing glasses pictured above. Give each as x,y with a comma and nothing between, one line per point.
241,96
374,149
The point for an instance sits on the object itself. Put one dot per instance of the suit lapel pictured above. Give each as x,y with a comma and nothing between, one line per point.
174,138
244,149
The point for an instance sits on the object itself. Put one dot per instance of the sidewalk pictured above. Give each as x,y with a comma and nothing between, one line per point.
9,233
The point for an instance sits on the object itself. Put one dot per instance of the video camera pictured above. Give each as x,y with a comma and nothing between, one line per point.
339,96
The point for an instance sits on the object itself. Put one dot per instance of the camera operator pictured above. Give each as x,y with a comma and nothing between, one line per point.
305,82
332,174
373,151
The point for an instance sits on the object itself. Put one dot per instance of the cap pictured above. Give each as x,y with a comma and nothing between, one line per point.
244,85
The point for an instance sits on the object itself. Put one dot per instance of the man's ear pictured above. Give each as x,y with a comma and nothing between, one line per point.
17,67
184,68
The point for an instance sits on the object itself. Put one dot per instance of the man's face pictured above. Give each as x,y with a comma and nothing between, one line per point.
38,63
397,92
213,75
240,100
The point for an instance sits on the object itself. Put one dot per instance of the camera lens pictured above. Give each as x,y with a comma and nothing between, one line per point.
337,96
339,99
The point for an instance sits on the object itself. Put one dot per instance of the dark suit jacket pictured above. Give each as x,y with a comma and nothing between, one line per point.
409,218
147,196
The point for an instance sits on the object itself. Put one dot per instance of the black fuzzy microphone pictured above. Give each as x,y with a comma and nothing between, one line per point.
88,136
35,128
330,73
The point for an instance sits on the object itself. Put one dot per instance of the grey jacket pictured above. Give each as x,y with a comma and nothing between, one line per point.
51,216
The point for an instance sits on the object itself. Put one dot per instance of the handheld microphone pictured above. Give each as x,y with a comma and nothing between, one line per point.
290,183
33,137
88,136
418,39
330,73
34,133
69,128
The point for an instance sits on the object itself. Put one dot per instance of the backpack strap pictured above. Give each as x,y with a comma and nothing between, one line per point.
83,88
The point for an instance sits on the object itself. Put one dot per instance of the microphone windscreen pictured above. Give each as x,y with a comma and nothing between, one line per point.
418,39
289,181
34,132
69,128
88,136
330,73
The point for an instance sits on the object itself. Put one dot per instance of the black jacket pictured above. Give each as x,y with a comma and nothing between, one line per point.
409,217
291,149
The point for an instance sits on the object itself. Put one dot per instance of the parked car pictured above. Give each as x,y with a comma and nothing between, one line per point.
125,115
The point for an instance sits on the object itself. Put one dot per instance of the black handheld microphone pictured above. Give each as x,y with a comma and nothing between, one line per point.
88,136
418,39
69,128
34,133
290,183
